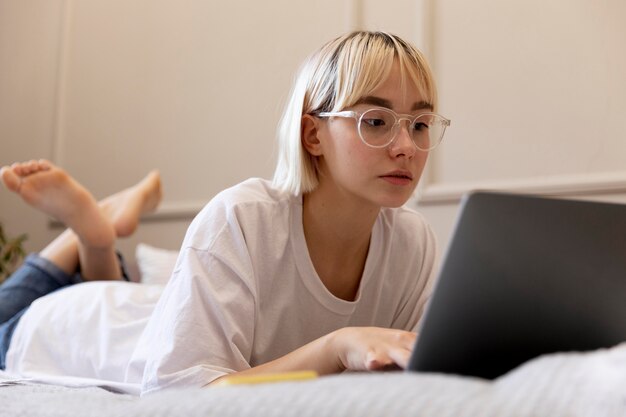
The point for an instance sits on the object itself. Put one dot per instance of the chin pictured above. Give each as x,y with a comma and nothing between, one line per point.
397,197
394,201
394,196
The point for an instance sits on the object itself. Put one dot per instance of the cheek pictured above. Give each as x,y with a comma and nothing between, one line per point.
343,148
360,158
420,160
347,155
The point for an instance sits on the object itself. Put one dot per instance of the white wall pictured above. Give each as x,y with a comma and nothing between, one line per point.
110,89
536,90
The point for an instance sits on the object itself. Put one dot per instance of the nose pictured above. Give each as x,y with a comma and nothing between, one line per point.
402,144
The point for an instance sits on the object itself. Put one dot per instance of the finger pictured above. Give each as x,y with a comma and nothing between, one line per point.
409,340
400,357
377,360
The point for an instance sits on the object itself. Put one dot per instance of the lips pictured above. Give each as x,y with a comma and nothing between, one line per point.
401,174
398,178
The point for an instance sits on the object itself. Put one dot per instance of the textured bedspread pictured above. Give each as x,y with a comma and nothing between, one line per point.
590,384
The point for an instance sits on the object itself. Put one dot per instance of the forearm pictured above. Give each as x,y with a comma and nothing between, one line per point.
353,348
319,355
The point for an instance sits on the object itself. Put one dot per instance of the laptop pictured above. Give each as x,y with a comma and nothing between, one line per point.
525,276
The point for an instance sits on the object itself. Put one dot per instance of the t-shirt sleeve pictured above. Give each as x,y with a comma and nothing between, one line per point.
203,325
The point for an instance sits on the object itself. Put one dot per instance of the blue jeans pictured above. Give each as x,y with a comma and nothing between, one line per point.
34,279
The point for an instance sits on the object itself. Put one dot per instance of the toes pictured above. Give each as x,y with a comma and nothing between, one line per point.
10,179
30,167
44,164
18,168
35,166
24,169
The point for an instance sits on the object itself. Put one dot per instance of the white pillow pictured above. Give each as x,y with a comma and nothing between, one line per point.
155,264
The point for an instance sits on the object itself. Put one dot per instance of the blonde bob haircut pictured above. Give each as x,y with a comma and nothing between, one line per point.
334,78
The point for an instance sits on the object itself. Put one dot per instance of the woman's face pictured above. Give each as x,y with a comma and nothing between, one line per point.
383,177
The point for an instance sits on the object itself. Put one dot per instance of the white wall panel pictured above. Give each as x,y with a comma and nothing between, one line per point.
536,91
193,88
29,42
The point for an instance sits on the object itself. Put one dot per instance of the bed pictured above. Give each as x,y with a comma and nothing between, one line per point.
569,384
566,384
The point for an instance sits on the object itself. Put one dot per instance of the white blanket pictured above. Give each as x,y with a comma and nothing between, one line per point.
575,384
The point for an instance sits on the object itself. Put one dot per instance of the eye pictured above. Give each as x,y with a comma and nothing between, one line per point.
378,120
374,122
420,126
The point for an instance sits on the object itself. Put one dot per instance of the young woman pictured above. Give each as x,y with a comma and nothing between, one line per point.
321,269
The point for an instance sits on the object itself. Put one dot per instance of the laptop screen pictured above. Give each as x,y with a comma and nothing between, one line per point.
525,276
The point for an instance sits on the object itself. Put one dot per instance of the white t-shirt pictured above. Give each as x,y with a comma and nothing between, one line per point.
244,291
83,335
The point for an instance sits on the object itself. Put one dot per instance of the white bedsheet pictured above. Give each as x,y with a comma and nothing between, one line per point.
574,384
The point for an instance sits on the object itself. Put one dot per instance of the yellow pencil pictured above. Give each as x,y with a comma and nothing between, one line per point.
266,378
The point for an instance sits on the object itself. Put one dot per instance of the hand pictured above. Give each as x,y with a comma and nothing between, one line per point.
373,348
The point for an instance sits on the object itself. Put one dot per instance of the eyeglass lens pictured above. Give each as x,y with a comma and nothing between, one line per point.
378,128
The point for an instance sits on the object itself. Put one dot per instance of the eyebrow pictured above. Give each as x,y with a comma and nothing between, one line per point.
381,102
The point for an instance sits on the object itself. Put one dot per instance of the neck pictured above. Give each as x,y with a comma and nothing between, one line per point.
337,231
343,222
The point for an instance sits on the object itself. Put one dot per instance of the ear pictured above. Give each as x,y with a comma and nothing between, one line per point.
310,134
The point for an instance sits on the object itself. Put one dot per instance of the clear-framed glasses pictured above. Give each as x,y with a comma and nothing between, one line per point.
378,127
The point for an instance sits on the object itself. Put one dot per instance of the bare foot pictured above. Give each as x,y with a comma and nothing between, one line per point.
53,191
125,208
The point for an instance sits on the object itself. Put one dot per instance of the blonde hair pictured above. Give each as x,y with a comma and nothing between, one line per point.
333,78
